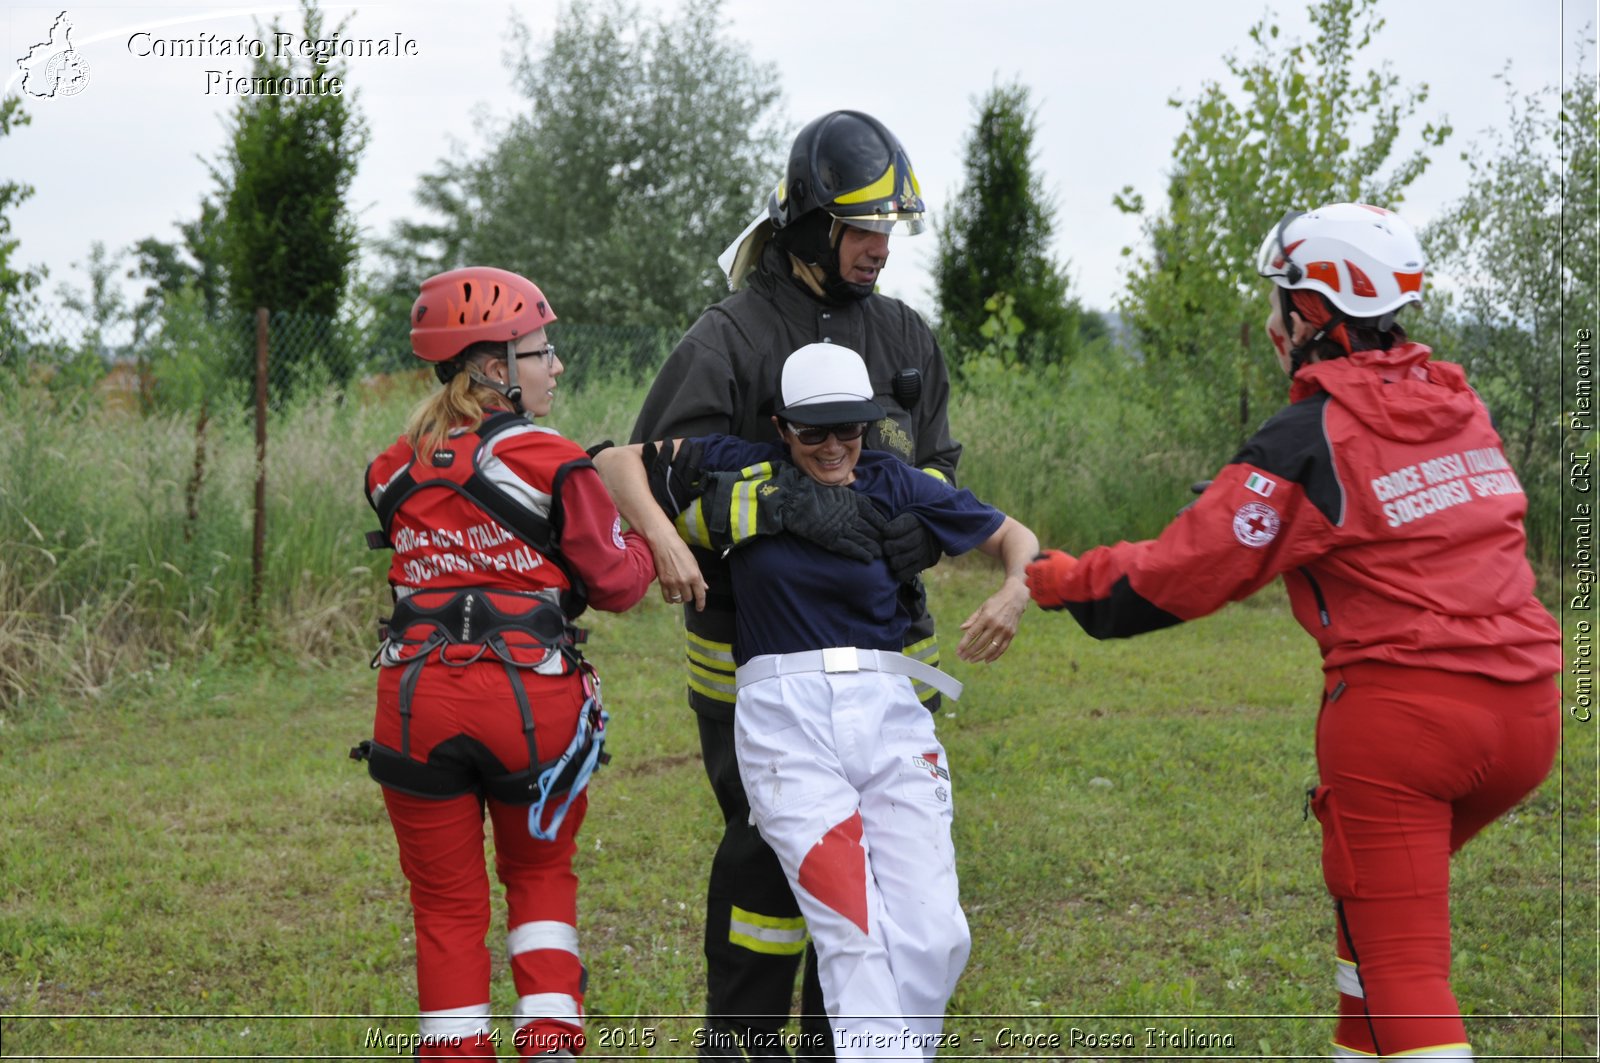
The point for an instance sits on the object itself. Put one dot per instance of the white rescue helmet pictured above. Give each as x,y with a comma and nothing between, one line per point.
1365,260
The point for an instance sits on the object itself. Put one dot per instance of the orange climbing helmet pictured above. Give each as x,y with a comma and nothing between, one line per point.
475,304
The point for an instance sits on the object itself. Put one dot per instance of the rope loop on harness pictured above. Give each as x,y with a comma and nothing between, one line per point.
569,773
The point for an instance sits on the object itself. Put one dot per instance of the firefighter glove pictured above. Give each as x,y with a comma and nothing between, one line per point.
834,517
909,547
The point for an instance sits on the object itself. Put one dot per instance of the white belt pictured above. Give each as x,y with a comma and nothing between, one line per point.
845,659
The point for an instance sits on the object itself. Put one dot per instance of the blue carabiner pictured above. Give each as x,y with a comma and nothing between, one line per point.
589,742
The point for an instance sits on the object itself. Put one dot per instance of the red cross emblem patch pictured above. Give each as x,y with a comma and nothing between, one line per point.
1256,524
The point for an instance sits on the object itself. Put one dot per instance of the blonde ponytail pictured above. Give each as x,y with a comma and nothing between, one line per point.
459,404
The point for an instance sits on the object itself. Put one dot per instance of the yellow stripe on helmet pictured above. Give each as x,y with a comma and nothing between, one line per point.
882,188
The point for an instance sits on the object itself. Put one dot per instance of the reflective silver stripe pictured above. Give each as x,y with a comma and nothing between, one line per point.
1341,1052
1347,980
496,472
691,524
712,652
712,684
710,667
926,651
455,1022
377,492
764,933
549,1006
846,659
543,934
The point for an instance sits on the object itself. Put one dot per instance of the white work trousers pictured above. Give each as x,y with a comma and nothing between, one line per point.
849,785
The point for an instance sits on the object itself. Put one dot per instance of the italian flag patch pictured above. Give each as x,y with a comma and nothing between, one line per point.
1260,485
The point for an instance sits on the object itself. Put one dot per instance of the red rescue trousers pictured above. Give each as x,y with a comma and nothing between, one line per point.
1413,763
441,843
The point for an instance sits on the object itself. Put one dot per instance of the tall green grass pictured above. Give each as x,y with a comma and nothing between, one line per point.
105,574
125,541
1072,451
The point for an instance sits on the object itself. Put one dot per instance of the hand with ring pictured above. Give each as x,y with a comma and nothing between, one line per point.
987,633
678,575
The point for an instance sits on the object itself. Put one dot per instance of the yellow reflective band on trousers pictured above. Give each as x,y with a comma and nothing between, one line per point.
774,935
711,667
926,651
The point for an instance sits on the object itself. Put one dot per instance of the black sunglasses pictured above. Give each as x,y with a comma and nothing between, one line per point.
547,352
812,435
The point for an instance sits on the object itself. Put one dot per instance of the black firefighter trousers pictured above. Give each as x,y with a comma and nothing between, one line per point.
749,992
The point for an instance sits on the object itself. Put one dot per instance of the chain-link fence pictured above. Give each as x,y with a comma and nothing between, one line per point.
211,366
194,356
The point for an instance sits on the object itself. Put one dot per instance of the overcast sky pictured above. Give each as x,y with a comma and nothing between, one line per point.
125,157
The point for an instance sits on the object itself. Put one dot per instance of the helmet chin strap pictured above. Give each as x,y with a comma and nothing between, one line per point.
815,239
1300,353
513,391
839,289
510,389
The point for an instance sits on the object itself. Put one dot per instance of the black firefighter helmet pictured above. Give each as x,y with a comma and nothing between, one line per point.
847,167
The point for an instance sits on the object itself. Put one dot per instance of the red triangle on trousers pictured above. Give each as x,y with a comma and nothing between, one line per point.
835,871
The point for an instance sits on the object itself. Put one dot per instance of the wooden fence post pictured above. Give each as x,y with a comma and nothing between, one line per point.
258,548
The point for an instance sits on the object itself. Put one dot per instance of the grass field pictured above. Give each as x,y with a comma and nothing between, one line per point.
194,868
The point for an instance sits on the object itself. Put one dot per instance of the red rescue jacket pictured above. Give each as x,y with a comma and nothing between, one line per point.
1382,496
444,541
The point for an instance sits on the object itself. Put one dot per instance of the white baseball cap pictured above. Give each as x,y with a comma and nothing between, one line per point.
824,383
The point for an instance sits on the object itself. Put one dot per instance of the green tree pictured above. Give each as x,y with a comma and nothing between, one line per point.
1579,152
15,281
1517,251
183,319
287,238
1300,125
101,309
104,306
194,261
646,145
995,242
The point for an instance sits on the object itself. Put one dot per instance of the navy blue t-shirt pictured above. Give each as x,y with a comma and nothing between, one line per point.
793,595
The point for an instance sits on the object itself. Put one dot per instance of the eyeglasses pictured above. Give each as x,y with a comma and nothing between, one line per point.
812,435
548,351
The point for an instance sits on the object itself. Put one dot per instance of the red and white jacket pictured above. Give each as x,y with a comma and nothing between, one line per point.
443,541
1383,498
